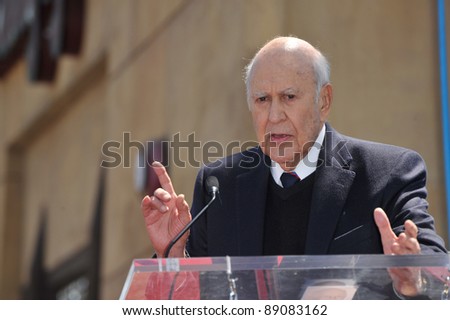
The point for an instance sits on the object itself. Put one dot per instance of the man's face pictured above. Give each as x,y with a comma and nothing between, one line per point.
286,116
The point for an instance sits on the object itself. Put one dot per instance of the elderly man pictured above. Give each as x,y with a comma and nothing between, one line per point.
306,189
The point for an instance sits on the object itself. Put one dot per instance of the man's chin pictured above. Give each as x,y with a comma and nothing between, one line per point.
286,162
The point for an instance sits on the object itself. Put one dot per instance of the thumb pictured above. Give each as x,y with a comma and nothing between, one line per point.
388,236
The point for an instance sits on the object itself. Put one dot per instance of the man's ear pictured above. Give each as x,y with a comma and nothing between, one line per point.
326,97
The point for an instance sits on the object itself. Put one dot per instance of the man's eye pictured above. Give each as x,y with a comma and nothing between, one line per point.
290,96
261,99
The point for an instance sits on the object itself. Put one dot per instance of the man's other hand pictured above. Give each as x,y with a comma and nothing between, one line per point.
406,281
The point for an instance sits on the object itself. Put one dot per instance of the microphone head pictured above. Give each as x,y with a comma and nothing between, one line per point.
212,185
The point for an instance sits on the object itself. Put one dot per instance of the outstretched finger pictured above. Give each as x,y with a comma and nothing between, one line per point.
388,236
163,177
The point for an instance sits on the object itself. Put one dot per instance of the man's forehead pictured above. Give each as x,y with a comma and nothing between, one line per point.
282,79
282,65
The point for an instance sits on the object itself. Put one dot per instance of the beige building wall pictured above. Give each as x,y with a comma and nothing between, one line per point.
155,68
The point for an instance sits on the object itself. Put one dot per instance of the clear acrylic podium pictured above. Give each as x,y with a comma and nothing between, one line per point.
283,277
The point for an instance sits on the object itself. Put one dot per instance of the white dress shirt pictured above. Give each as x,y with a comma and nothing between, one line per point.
306,166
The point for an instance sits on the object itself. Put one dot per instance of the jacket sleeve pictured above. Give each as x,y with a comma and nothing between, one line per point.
405,198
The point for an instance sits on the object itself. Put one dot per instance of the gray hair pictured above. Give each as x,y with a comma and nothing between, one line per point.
320,66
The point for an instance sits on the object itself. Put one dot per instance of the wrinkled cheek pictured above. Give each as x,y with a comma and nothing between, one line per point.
259,125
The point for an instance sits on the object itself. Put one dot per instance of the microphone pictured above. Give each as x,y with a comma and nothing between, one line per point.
212,187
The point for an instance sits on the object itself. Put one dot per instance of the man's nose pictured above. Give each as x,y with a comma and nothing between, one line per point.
276,112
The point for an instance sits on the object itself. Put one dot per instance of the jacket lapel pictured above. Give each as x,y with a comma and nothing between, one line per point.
251,190
332,184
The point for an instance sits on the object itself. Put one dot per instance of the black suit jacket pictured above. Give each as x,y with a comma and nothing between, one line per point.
353,177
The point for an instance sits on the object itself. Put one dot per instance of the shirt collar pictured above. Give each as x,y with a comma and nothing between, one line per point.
306,166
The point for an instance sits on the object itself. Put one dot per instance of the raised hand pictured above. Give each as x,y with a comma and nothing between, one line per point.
407,281
165,214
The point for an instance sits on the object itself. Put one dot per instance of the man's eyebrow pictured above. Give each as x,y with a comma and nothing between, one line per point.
290,91
259,94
